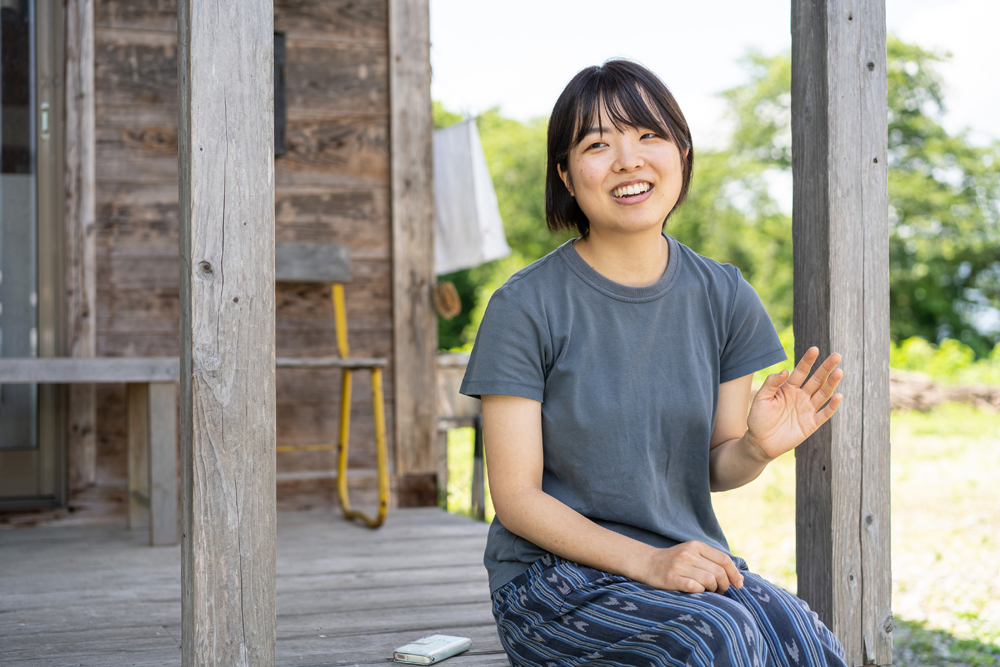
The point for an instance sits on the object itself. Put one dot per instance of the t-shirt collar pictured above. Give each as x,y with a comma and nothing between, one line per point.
616,290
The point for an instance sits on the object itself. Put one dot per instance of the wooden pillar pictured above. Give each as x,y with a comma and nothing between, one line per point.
839,139
413,316
226,164
81,281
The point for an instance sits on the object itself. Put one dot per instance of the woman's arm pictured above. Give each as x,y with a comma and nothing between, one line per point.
512,430
784,413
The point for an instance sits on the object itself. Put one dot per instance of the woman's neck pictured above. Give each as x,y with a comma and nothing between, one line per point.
634,260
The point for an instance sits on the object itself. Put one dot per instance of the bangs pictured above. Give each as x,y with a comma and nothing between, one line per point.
627,106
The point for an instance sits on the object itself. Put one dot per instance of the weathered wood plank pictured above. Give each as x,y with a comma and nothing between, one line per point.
297,261
338,78
331,362
876,547
326,78
350,150
78,216
162,437
414,318
68,371
226,149
137,445
96,595
135,67
332,19
841,297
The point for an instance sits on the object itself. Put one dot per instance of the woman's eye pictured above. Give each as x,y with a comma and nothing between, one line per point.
650,135
597,144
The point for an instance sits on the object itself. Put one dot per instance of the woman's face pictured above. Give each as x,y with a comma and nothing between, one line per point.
609,164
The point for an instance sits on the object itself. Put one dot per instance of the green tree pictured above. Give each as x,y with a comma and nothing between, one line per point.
944,194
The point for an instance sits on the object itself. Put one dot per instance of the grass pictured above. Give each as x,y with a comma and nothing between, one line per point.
945,469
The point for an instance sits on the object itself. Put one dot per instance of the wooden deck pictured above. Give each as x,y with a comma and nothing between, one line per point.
347,595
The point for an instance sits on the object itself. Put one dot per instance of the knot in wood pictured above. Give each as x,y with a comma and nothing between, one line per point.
869,520
871,66
205,268
887,625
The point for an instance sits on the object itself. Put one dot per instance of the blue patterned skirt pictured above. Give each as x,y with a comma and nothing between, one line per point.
559,613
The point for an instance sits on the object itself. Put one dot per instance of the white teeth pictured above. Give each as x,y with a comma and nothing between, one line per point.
636,189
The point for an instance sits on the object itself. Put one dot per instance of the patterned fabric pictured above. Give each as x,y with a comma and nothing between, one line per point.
559,614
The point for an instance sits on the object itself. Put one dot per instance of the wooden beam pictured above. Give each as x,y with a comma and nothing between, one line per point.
413,316
840,209
81,254
74,371
226,170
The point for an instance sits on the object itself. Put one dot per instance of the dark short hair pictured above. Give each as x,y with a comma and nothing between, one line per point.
633,97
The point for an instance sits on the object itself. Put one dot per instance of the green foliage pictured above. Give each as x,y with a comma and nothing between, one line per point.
951,362
944,194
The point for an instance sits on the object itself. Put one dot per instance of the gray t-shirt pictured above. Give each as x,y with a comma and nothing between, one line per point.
628,378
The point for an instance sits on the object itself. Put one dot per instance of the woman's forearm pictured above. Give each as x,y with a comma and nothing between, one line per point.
541,519
734,463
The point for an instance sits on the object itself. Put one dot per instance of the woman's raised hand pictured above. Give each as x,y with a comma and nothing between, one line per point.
787,408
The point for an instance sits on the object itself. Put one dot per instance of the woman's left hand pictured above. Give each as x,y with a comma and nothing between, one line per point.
786,409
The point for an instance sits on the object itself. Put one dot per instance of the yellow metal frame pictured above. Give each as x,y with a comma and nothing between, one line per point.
378,409
343,444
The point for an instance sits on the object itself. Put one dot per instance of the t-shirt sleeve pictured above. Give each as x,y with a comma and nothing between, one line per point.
751,342
510,352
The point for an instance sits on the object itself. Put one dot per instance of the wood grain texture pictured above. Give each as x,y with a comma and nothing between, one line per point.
876,551
841,302
162,438
98,595
354,20
226,168
137,426
79,216
298,261
68,371
414,318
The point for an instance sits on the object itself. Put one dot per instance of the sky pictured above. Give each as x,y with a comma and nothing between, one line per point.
518,54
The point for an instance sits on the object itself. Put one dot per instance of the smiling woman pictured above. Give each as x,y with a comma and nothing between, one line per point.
615,378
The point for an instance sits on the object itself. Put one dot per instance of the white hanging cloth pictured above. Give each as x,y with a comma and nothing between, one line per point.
468,230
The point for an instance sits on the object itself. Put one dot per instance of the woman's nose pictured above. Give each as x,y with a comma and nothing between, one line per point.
629,156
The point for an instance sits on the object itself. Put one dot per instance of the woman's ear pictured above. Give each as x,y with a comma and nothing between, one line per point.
567,181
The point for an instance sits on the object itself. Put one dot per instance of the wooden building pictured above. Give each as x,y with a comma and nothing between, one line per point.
112,198
126,241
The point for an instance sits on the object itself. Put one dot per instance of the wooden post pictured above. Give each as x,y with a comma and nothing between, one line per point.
226,165
161,411
137,455
81,254
413,316
839,139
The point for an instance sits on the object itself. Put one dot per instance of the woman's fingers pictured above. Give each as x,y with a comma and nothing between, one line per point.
801,372
695,567
771,385
822,374
824,415
825,391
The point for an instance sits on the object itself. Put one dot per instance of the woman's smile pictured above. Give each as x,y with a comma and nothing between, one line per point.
632,192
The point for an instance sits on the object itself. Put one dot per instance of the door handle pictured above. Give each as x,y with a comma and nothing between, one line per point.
44,120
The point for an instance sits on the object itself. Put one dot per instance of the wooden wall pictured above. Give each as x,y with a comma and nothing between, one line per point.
331,186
